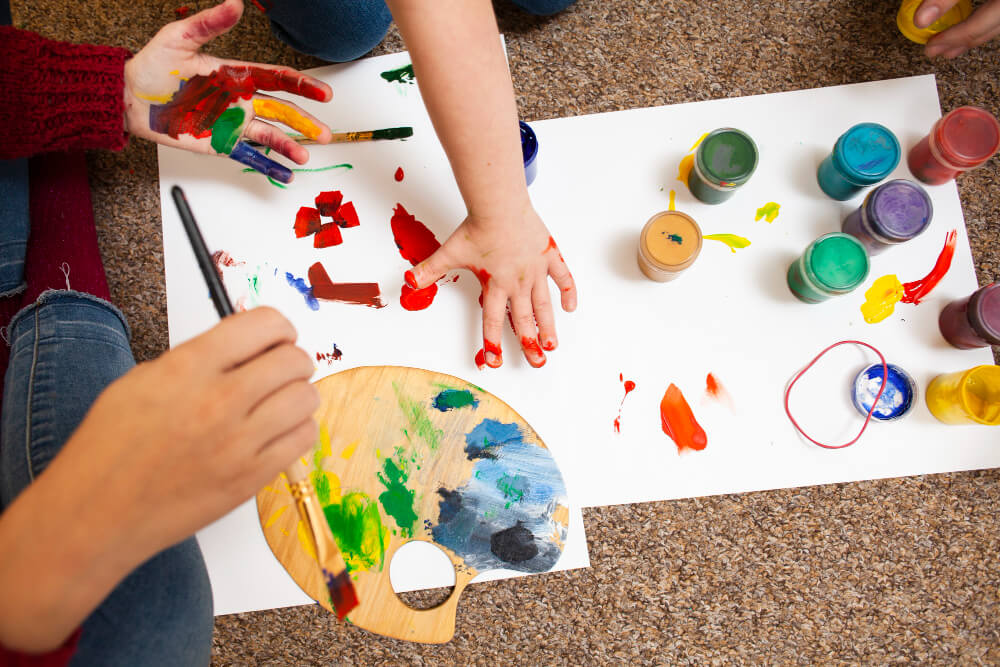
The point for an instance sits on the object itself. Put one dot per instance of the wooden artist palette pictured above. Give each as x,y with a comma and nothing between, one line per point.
407,454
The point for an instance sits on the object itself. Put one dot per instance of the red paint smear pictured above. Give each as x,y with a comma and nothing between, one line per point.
548,346
415,242
917,290
307,222
346,216
417,299
531,346
201,99
712,386
678,421
329,202
182,12
221,258
455,279
399,174
363,294
330,357
629,387
328,235
261,7
481,359
492,347
621,378
552,246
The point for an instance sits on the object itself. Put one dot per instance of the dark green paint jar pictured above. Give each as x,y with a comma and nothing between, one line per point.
724,161
832,265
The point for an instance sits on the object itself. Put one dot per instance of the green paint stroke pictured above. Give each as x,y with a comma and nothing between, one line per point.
397,500
768,211
419,423
512,488
275,183
731,240
450,399
400,75
226,130
676,238
357,526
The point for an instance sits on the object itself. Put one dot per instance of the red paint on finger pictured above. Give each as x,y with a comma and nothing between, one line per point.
914,292
534,351
411,279
399,174
552,246
417,299
678,421
548,345
493,348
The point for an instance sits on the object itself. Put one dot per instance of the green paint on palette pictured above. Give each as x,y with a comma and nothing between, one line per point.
451,399
418,420
321,483
512,488
399,75
357,526
226,130
397,500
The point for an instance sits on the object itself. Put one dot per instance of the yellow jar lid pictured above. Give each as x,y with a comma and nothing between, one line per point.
907,11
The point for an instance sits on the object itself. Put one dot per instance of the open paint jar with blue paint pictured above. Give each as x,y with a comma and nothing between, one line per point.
899,396
529,151
864,155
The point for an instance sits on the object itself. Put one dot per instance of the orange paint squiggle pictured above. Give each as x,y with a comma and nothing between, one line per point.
679,423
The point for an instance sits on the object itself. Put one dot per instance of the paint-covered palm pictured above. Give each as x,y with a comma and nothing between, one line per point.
177,96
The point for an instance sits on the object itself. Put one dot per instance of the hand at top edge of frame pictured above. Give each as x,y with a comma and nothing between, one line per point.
981,27
169,75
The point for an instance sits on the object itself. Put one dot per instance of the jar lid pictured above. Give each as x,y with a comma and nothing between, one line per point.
984,313
671,241
967,137
899,210
866,153
838,261
727,157
897,397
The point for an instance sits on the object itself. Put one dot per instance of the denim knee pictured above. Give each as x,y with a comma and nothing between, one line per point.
543,7
334,30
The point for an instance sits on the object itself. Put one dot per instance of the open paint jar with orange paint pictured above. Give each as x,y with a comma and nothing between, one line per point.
669,244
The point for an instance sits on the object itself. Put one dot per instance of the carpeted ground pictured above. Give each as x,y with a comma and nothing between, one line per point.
871,572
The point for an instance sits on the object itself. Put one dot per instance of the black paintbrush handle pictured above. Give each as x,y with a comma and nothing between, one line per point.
215,287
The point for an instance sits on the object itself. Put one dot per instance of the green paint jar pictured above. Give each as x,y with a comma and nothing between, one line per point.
725,160
832,265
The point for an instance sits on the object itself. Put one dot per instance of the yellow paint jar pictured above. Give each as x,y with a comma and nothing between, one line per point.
907,11
966,397
668,244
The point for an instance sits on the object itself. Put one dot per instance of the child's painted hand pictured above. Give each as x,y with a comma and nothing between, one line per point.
513,259
178,96
981,27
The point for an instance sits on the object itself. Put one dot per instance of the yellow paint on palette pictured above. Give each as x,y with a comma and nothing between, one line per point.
349,450
673,201
274,517
288,115
881,299
731,240
768,211
306,540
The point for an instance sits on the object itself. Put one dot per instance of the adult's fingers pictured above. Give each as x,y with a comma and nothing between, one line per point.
931,10
240,338
283,450
494,310
272,137
282,411
195,31
981,27
254,381
527,332
541,304
292,115
564,281
257,161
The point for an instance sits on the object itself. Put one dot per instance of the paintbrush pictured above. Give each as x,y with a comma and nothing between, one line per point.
343,597
349,137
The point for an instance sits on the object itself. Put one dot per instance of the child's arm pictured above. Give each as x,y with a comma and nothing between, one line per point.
460,68
981,27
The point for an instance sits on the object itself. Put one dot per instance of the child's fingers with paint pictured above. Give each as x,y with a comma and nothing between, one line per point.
981,27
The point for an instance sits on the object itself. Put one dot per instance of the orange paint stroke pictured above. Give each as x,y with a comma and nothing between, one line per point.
629,387
552,246
678,421
914,292
716,391
287,115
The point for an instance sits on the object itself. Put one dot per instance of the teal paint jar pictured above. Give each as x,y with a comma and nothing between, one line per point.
832,265
862,156
725,160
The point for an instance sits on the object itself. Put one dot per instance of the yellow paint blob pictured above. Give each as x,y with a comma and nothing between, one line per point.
306,540
349,450
697,143
673,201
274,517
684,169
732,240
881,299
287,115
768,211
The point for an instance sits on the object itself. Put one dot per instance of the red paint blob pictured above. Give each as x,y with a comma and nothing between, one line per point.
328,202
345,216
712,386
914,292
399,174
629,387
678,421
328,235
363,294
417,299
415,242
548,346
306,222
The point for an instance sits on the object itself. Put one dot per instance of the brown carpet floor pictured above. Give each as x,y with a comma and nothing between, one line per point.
872,572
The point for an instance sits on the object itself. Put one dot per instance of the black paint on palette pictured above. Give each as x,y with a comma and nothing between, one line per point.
514,545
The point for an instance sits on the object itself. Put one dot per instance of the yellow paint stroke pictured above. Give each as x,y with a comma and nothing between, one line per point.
274,517
697,143
324,449
673,201
768,211
881,299
306,540
684,169
304,462
349,450
731,240
175,72
378,453
159,99
288,115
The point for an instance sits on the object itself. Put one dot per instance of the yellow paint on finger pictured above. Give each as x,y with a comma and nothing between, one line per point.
349,450
274,517
159,99
732,240
768,211
175,72
287,115
673,200
881,299
306,540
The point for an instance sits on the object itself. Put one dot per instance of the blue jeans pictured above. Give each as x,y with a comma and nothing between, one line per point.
343,30
65,349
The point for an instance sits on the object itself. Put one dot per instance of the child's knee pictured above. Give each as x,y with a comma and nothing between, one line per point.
335,31
543,7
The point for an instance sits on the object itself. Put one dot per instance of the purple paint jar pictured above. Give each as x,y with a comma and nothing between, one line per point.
973,321
892,213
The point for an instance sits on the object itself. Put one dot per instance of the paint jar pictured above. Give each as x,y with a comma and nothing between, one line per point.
952,17
529,151
892,213
965,138
897,399
862,156
726,159
973,321
832,265
668,244
966,397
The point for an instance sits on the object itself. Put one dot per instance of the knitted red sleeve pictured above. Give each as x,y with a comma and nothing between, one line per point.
56,658
59,96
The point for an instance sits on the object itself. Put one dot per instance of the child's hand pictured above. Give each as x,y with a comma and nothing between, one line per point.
981,27
177,96
513,260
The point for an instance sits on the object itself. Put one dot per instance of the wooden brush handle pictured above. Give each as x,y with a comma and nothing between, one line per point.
297,471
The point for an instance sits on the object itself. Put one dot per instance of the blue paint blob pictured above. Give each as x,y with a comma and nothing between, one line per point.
489,435
256,160
305,290
529,151
862,156
897,399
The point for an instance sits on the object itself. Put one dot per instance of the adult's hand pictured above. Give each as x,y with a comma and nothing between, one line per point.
981,27
177,96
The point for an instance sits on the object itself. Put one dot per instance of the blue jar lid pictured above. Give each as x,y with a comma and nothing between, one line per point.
529,150
866,153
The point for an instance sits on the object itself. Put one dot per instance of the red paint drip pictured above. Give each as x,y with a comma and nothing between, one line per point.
328,235
678,421
307,222
417,299
362,294
534,350
399,174
415,242
328,202
917,290
629,387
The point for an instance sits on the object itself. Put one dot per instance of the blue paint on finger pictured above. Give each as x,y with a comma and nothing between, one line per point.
256,160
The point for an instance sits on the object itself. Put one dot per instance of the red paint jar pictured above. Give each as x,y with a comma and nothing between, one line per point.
973,321
963,139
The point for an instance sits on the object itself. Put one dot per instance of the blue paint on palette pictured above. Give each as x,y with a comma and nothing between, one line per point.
897,399
502,516
305,290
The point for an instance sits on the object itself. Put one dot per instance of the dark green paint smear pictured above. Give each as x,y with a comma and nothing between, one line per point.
393,133
357,526
450,399
226,130
676,238
397,500
401,75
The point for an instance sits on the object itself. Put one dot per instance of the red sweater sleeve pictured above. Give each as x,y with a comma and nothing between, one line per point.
59,96
57,658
